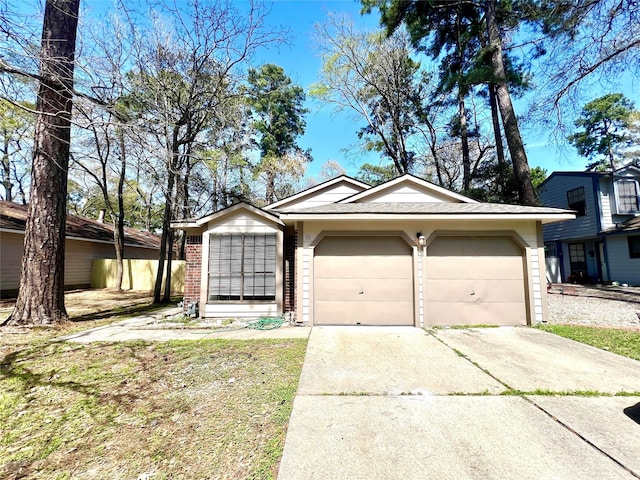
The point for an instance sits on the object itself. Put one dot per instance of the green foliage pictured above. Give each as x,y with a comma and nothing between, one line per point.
278,118
376,174
604,123
277,109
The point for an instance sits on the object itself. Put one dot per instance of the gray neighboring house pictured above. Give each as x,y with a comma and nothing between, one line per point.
602,244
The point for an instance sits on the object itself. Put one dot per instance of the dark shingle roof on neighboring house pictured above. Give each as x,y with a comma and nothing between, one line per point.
14,217
632,225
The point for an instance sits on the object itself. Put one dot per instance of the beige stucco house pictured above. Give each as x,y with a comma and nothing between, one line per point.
406,252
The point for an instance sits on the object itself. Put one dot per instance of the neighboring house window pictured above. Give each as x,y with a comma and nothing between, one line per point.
627,191
576,201
634,246
550,250
578,262
242,267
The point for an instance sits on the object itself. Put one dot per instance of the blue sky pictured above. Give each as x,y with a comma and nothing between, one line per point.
328,135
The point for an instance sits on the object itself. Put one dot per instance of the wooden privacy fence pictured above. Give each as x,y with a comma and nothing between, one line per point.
138,274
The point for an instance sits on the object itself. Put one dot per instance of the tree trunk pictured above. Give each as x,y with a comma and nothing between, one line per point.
497,134
41,295
509,121
118,231
464,138
167,282
6,169
164,240
270,195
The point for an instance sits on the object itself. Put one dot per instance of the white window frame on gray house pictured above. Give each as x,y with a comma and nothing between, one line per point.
627,202
242,267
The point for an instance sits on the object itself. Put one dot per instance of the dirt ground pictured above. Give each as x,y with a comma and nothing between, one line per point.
85,302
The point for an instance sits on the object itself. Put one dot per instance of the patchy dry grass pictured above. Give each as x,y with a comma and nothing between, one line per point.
180,410
91,304
191,409
616,340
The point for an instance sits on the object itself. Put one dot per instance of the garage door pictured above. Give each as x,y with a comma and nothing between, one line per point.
475,280
363,281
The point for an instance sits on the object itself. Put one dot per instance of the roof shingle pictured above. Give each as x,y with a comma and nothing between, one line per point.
14,217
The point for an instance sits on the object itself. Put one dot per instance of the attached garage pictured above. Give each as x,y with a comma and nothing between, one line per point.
363,280
472,280
405,252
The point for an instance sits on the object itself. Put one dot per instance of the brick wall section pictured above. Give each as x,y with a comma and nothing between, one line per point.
193,269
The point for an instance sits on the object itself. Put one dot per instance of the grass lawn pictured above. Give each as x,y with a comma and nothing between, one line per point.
622,342
190,409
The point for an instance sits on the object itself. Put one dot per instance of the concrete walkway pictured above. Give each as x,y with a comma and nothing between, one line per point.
157,326
401,403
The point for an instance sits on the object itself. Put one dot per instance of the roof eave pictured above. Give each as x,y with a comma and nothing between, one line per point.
271,216
542,217
276,206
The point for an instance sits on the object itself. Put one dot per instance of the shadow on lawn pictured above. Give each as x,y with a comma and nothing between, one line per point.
119,312
16,365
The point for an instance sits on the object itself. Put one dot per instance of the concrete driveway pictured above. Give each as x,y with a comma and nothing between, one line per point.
402,403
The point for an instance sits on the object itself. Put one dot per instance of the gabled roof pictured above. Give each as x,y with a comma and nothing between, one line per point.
631,168
13,218
408,179
574,174
198,222
317,188
428,210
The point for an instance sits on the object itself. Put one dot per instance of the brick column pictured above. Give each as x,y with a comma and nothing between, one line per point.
193,269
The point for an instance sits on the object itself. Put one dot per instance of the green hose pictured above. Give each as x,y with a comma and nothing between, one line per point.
266,323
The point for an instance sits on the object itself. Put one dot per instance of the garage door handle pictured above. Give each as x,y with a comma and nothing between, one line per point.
361,292
473,292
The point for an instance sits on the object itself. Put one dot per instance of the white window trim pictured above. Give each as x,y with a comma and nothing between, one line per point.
619,211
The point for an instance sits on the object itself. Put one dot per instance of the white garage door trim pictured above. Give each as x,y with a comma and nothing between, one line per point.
477,316
410,279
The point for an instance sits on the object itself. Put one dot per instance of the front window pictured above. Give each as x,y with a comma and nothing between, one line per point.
576,201
242,267
627,196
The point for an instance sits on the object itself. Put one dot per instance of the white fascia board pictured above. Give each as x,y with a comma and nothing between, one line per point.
317,188
228,211
345,217
411,179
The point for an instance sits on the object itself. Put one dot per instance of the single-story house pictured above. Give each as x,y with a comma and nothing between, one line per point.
86,240
406,252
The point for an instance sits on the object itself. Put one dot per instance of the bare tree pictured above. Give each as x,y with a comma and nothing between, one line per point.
183,70
374,77
105,120
41,295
